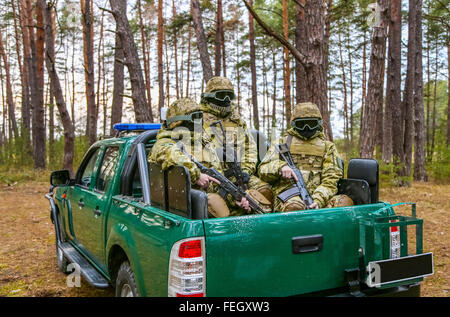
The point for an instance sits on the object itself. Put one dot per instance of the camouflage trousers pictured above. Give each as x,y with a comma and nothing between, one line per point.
296,203
258,190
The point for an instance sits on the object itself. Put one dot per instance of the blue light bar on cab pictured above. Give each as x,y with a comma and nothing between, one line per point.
137,126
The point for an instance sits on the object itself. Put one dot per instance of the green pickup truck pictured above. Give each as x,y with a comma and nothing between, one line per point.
144,231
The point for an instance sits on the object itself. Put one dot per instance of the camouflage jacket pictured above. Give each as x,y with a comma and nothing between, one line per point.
166,152
235,128
316,158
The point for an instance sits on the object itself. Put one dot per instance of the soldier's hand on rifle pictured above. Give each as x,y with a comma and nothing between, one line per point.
204,181
314,205
288,173
244,204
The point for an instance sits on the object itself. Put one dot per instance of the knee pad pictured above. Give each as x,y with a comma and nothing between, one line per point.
340,201
217,206
260,199
292,204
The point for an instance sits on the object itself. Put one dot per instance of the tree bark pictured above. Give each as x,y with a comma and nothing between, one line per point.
408,96
301,88
218,39
9,92
201,40
145,59
69,130
287,67
118,77
88,55
253,71
132,61
420,173
26,102
375,84
393,93
188,70
316,76
38,114
160,56
448,94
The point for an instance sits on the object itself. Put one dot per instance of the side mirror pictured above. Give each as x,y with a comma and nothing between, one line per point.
60,178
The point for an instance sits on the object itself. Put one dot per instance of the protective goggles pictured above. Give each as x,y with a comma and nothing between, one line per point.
191,117
303,123
220,95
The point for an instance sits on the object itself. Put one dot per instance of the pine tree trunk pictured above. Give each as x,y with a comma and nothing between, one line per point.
420,173
26,101
287,68
69,131
9,92
160,56
253,71
375,84
131,60
393,94
301,87
201,40
314,61
448,94
145,59
408,96
118,78
218,39
274,94
88,51
38,109
188,67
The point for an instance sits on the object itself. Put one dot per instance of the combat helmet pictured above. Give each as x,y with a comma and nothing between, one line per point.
307,119
219,93
183,111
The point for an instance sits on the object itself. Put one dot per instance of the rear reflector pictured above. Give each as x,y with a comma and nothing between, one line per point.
395,243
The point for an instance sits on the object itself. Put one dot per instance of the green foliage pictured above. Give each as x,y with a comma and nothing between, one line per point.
12,176
439,169
16,158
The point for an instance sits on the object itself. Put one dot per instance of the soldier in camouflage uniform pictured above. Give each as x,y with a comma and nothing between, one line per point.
316,158
184,125
216,104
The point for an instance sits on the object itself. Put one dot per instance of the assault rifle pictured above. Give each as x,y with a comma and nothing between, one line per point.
226,186
302,191
229,157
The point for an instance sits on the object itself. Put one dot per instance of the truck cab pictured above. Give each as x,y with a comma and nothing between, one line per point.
144,231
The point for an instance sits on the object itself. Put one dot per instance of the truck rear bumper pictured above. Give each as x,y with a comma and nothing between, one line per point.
411,290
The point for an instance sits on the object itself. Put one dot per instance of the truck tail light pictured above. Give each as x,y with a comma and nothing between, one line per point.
394,241
187,268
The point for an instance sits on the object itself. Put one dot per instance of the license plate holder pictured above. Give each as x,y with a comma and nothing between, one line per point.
402,269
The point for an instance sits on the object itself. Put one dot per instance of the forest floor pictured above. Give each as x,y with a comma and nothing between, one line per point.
27,240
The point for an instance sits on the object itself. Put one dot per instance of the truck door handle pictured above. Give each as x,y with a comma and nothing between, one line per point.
306,244
97,212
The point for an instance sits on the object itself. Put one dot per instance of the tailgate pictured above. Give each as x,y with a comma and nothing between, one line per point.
282,254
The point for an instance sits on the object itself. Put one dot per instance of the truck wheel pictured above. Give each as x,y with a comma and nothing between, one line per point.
125,282
60,258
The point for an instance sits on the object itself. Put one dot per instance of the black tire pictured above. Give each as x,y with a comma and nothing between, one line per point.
125,282
60,258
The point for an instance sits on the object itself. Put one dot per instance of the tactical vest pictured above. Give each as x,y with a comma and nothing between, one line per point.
308,156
